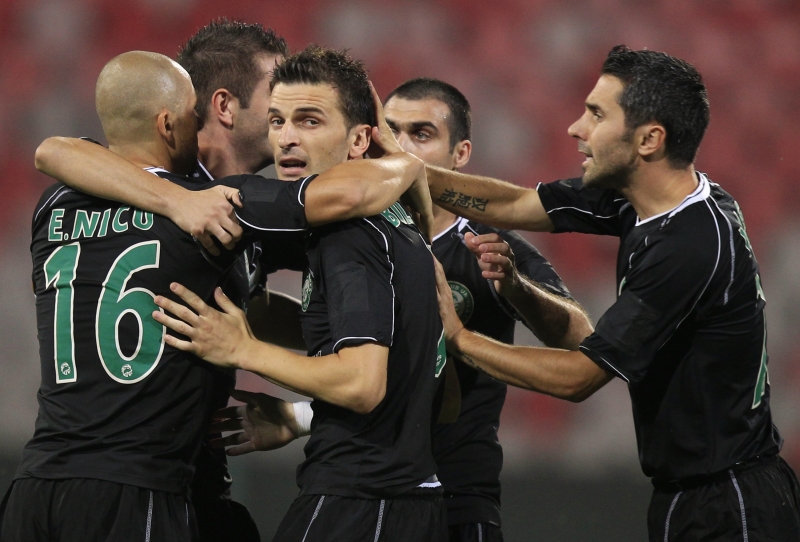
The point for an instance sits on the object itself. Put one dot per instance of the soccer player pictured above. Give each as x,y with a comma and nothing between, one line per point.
688,330
370,319
141,437
432,120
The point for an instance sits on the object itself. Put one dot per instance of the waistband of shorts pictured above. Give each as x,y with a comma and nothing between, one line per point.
691,482
421,493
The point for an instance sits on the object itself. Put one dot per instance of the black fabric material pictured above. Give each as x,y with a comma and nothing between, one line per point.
688,330
766,493
99,425
371,280
475,532
224,520
468,453
418,515
93,511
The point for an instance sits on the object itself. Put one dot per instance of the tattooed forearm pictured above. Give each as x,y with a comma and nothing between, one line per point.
463,201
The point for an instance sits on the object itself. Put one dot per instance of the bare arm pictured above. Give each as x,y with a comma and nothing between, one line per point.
561,373
93,169
354,378
275,318
359,188
556,321
488,201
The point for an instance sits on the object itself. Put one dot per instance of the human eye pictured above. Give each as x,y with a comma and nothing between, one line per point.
422,135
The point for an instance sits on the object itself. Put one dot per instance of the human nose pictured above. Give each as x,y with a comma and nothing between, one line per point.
577,129
288,136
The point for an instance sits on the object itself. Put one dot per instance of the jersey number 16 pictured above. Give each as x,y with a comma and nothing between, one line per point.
115,301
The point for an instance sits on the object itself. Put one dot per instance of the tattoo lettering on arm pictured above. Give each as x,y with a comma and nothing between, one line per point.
461,200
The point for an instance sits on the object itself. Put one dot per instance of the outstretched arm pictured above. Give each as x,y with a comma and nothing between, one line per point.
93,169
488,201
561,373
354,378
557,321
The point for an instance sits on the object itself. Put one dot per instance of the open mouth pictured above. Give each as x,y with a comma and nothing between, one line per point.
292,165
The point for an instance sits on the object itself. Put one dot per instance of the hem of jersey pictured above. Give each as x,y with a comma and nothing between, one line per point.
358,340
603,362
144,483
301,194
351,492
267,229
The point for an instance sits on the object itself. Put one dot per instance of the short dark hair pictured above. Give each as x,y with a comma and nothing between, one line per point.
317,65
664,89
424,88
223,54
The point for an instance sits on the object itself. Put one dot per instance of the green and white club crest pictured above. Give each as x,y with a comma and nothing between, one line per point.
462,299
308,286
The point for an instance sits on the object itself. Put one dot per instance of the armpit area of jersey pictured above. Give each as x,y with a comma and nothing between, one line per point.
269,205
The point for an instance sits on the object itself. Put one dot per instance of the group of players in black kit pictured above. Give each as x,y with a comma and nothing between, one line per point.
403,439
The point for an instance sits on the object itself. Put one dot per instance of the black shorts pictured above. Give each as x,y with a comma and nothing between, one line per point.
416,515
90,510
222,520
753,502
475,532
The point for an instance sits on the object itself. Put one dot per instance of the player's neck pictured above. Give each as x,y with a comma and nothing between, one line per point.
144,155
659,190
218,156
442,219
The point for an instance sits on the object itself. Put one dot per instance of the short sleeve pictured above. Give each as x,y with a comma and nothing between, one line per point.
270,205
661,289
357,275
575,208
530,262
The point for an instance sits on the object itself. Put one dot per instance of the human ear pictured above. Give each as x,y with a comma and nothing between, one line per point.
652,138
461,153
166,127
360,144
224,107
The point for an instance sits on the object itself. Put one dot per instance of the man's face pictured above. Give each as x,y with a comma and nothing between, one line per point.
420,127
308,132
250,133
611,153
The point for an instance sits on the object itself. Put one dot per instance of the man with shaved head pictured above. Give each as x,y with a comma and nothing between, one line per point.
120,415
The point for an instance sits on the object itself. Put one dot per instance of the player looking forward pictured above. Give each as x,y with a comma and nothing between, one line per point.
370,320
688,329
432,120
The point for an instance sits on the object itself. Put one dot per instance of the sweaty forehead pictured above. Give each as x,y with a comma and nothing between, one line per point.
288,98
407,112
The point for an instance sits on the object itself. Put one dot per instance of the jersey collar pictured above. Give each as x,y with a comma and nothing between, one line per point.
700,193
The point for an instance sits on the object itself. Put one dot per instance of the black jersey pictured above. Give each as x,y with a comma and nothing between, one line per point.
372,280
468,453
688,330
116,403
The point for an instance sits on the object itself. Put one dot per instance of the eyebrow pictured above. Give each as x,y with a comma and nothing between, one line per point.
309,109
594,108
414,125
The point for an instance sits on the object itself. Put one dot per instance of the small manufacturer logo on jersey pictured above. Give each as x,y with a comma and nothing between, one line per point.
308,286
126,370
462,299
65,369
